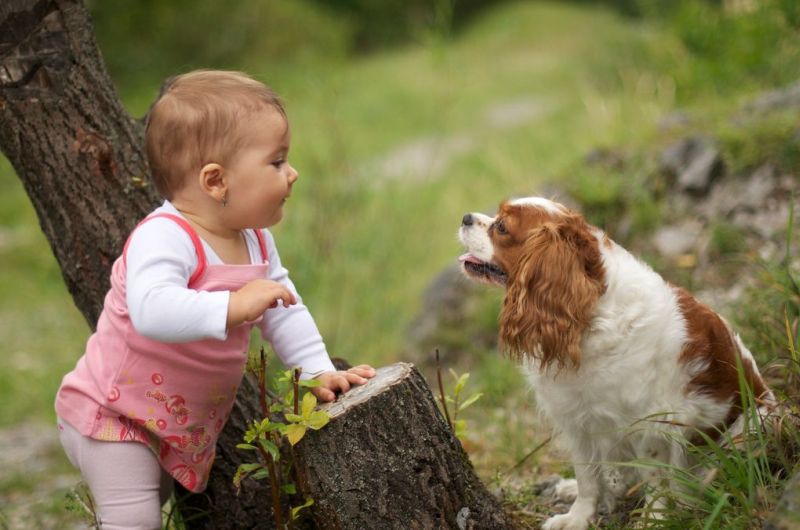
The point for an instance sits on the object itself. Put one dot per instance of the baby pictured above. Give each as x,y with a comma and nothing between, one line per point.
148,399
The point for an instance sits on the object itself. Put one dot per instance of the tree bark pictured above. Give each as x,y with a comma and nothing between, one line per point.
388,459
73,146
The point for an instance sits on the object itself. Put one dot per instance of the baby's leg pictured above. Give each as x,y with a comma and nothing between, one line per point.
127,483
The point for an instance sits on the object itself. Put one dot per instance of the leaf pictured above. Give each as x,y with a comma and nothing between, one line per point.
295,432
289,489
309,383
309,402
247,468
275,426
318,420
238,477
462,381
260,474
460,428
252,433
246,447
297,509
472,399
271,448
294,418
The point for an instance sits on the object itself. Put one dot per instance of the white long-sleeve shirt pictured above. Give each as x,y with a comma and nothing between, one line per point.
160,260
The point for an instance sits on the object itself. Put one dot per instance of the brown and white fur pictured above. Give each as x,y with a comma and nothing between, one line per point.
620,360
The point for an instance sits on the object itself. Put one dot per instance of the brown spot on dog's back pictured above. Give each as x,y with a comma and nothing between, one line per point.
710,341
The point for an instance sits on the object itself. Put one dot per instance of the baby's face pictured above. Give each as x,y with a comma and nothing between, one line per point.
259,176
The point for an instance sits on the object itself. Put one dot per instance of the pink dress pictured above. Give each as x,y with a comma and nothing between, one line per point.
173,397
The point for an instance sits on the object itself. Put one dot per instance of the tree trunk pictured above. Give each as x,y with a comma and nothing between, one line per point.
80,157
78,153
388,459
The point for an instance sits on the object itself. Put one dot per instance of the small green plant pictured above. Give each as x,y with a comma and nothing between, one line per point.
80,501
456,400
176,515
736,479
283,417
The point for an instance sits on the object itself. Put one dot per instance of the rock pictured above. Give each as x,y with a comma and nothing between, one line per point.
443,302
605,158
422,159
694,162
447,321
546,487
733,195
781,98
673,120
515,113
787,514
676,240
767,222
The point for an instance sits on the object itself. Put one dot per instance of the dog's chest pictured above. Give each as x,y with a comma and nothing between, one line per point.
606,396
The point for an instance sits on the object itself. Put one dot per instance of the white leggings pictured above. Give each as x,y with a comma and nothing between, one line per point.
127,483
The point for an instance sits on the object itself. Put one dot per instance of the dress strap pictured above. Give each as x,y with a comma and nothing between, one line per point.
198,245
262,245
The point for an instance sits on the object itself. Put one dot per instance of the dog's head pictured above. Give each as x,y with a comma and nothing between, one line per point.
548,258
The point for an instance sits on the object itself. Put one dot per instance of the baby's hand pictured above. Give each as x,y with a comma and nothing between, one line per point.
250,302
341,381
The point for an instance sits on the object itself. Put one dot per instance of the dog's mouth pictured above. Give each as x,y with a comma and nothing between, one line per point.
482,270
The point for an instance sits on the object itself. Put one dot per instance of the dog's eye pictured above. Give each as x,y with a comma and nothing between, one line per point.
500,227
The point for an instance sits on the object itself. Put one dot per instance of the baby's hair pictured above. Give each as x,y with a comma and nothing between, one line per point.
196,120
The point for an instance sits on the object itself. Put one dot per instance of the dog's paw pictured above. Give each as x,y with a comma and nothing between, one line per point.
566,490
566,522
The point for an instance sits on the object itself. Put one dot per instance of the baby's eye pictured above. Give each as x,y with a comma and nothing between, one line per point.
279,163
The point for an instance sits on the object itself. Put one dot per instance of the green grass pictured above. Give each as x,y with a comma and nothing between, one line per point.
361,239
736,480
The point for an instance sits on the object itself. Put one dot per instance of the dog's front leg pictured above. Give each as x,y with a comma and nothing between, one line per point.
585,505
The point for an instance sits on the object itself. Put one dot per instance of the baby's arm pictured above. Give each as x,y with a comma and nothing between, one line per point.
295,338
160,260
292,331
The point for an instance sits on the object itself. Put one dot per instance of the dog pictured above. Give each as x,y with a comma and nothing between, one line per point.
621,361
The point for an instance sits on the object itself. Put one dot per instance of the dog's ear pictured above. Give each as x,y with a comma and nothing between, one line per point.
551,293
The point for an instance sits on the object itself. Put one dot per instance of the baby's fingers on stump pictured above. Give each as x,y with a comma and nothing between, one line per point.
323,394
363,370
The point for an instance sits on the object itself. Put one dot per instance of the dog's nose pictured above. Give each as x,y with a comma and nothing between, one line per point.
467,220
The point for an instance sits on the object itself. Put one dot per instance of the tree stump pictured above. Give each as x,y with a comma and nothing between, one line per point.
388,459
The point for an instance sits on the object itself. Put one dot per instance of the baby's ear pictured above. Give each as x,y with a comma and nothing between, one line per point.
212,181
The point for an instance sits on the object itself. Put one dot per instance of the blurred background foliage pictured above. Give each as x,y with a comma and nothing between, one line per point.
732,41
